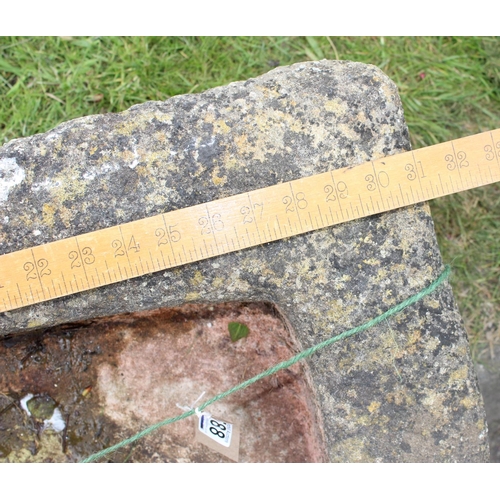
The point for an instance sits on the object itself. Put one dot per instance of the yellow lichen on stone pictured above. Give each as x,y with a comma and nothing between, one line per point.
431,302
336,106
413,337
218,181
351,450
361,117
129,127
197,279
34,323
221,127
382,273
374,406
191,296
229,160
431,344
48,211
217,282
460,374
338,310
372,262
161,137
48,449
128,156
433,401
66,216
468,402
348,132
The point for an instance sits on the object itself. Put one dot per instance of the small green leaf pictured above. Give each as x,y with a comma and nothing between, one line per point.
238,331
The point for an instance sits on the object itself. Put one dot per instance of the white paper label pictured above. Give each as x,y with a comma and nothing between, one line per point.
218,430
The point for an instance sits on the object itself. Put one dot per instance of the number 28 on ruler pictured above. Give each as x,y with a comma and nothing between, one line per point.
194,233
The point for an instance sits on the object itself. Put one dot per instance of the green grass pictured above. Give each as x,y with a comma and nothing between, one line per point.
450,87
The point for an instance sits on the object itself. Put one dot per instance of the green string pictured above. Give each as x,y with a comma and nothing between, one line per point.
280,366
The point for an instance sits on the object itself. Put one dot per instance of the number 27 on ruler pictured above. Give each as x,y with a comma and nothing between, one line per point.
267,214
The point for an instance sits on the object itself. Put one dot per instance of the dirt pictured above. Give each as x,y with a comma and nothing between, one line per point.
113,377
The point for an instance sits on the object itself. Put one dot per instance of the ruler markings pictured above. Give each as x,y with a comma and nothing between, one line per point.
163,259
125,247
320,216
451,183
82,260
252,208
212,226
441,183
64,283
248,236
495,149
331,215
376,180
399,180
279,229
152,261
296,204
237,235
20,294
168,236
337,195
107,269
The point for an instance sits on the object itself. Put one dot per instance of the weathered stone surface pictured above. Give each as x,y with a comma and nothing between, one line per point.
403,391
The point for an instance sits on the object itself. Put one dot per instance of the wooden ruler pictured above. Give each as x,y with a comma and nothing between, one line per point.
190,234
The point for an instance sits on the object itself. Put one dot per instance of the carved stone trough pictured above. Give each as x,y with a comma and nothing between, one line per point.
403,391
